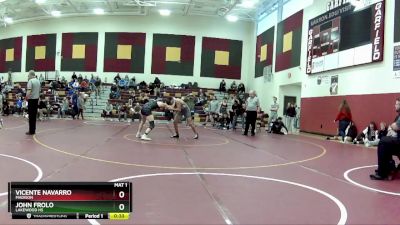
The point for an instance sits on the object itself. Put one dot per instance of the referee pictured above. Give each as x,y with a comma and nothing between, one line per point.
252,107
32,95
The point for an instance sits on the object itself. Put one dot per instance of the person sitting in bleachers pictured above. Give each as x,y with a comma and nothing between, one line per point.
223,114
76,85
117,78
142,85
84,86
107,111
81,104
126,81
136,112
42,107
24,107
132,83
122,112
63,110
97,83
212,115
241,89
277,126
222,86
41,79
233,87
18,108
6,108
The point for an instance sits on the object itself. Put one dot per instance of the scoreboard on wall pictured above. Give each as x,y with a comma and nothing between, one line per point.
70,200
346,36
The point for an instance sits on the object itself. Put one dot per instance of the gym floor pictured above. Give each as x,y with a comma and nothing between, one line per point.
222,178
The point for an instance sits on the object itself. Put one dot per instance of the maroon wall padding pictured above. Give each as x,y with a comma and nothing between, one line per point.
321,111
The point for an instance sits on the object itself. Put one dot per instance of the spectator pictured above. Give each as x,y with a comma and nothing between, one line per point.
274,109
157,82
117,78
291,116
6,108
97,84
136,112
1,103
277,126
233,87
19,106
42,107
64,108
81,104
237,110
24,107
344,117
212,111
41,79
379,134
132,83
222,86
368,134
241,89
387,147
84,86
142,85
350,133
107,111
123,112
223,114
74,77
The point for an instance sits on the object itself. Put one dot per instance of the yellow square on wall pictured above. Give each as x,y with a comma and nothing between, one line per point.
78,51
221,58
287,41
40,52
124,52
173,54
263,54
9,55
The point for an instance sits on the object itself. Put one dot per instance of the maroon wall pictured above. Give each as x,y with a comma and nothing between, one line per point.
321,111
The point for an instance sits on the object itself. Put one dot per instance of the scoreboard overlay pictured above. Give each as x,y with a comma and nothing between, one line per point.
70,200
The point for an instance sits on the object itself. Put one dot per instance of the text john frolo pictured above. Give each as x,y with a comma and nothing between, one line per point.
33,206
28,194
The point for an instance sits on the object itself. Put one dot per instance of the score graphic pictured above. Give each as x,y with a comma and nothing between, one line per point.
66,200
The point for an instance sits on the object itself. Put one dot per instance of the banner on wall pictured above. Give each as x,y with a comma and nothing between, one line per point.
396,58
41,52
10,55
221,58
79,52
264,51
288,42
124,52
333,89
173,54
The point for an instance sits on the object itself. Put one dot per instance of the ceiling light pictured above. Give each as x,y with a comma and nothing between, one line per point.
40,1
248,3
56,13
8,20
2,0
98,11
164,12
232,18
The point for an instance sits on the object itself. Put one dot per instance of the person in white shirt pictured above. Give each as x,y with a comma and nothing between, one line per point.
252,107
